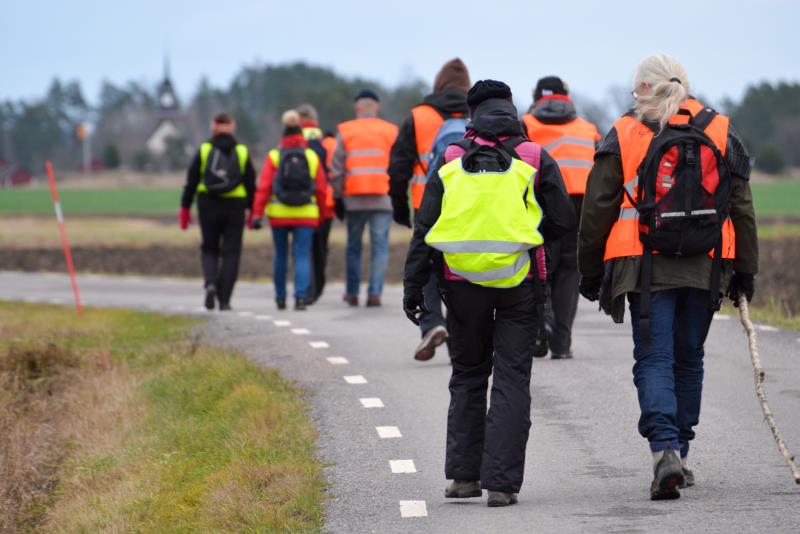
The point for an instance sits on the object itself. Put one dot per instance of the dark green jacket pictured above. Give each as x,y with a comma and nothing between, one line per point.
601,206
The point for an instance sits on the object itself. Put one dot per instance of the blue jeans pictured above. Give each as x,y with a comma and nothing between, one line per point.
379,223
669,373
301,255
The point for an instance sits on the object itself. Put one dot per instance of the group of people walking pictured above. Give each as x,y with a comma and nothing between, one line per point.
513,217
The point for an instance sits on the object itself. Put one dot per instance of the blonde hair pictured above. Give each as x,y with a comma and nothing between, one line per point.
668,88
290,118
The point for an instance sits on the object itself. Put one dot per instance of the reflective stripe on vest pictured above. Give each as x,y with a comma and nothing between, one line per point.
634,140
237,192
366,144
572,146
427,122
276,209
488,223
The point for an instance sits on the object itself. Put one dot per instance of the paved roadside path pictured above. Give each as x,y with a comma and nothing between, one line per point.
381,416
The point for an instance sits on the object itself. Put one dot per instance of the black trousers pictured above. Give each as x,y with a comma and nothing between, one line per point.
319,257
564,278
221,225
491,330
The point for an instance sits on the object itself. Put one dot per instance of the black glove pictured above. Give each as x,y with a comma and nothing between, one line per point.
338,208
414,304
590,287
402,215
741,284
257,224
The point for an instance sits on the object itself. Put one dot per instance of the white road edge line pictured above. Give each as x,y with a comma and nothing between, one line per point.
766,328
337,360
282,323
402,466
263,317
721,317
375,402
301,331
319,344
387,432
355,379
413,509
245,314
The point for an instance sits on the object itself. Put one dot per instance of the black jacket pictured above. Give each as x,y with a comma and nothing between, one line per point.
498,117
225,143
404,151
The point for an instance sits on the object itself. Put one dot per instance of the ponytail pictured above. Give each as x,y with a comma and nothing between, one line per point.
668,88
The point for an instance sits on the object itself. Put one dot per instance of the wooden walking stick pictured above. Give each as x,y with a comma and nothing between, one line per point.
744,316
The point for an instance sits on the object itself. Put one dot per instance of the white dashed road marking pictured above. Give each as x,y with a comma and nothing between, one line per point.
375,402
413,509
766,328
263,317
201,309
337,360
319,344
720,317
245,314
386,432
301,331
402,466
282,323
355,379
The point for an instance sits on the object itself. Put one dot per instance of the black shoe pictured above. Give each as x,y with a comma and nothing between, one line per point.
463,489
501,498
211,296
280,303
561,355
668,477
299,304
224,306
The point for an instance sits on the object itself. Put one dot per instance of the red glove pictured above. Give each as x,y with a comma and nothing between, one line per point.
185,218
249,220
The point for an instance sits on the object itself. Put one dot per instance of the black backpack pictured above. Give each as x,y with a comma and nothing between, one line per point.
294,185
682,200
223,172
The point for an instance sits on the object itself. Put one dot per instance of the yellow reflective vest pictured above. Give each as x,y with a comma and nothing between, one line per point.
237,192
488,223
307,212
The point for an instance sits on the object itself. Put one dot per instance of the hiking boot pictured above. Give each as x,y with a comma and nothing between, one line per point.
667,476
688,474
561,355
463,489
211,296
299,304
501,498
280,303
350,299
432,339
224,306
373,301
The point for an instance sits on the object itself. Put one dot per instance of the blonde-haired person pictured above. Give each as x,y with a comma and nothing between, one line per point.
671,296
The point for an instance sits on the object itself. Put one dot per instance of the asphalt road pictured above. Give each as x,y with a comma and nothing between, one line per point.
587,470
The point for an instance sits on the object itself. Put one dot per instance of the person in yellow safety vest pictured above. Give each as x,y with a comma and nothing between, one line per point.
309,120
483,219
291,189
223,178
553,122
361,192
408,167
707,171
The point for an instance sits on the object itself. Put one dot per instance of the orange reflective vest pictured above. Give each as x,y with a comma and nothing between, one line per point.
572,146
329,144
367,143
634,140
427,122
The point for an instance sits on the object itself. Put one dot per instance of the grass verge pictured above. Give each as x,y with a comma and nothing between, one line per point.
120,421
94,201
772,313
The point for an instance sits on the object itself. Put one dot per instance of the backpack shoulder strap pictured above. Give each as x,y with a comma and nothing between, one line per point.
313,162
241,152
704,118
205,150
511,145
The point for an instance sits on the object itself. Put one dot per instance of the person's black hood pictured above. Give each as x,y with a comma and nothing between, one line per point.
498,116
448,102
223,141
555,111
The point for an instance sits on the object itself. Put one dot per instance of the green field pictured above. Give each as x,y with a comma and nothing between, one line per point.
779,198
103,201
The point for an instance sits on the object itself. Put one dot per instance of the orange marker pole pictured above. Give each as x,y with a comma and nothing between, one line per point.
48,167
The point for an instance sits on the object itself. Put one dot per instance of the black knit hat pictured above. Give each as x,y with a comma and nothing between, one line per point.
549,85
367,93
486,89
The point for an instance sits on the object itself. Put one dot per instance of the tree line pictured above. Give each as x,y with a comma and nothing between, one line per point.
767,118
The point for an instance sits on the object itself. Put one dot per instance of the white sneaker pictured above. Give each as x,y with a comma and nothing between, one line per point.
432,339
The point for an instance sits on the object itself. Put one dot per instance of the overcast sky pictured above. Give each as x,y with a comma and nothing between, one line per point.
724,45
